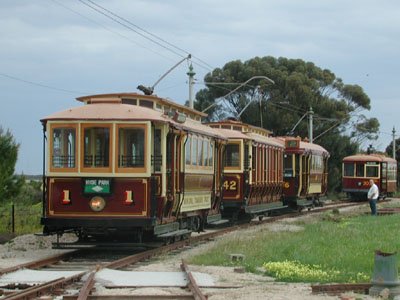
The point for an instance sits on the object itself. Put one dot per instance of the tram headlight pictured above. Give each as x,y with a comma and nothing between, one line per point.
97,203
359,183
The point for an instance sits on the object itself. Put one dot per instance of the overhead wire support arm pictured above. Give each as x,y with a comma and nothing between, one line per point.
150,90
234,90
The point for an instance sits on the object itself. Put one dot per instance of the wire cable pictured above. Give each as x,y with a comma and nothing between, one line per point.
43,85
110,30
149,33
107,15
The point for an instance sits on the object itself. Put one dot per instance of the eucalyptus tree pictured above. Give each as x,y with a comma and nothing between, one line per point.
283,106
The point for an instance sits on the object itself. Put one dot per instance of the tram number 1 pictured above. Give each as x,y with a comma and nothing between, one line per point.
230,185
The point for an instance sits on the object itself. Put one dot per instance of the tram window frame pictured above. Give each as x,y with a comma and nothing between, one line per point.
188,150
198,153
121,143
73,165
360,170
348,169
157,151
288,168
237,165
94,168
374,174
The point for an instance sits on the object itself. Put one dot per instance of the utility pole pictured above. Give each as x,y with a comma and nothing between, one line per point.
394,143
191,74
310,118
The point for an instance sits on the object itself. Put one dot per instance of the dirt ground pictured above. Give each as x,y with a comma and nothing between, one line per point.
242,285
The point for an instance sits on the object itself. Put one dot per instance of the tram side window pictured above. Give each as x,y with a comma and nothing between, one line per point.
206,152
194,150
288,161
359,170
372,171
187,150
63,152
210,154
157,150
131,151
349,170
200,151
232,155
96,147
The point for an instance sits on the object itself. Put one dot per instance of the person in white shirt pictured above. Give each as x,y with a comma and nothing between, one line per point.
373,195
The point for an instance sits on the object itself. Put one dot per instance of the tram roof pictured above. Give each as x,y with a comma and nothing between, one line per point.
125,112
239,126
303,146
359,157
234,134
121,97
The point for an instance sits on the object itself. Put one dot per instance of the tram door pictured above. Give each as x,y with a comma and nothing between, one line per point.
384,176
305,174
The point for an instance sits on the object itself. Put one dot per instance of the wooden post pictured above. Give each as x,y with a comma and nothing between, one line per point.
13,217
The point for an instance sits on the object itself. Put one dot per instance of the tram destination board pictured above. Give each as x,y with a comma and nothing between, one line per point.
97,186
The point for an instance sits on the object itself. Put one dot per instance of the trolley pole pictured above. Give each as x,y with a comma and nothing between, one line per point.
191,74
310,118
394,143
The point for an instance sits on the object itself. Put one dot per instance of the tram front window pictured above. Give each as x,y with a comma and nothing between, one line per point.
372,171
349,169
232,155
131,147
96,147
288,165
63,147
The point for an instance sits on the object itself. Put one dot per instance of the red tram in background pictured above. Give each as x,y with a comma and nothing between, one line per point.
305,173
129,166
253,170
359,169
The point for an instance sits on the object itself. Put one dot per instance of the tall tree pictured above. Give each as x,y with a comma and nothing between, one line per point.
9,183
298,86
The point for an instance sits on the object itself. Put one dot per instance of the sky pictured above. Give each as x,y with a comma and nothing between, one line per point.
53,51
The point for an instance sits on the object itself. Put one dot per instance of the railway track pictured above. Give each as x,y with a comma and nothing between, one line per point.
86,263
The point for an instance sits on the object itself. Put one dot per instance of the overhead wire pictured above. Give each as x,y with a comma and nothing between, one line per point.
149,33
42,85
110,30
129,25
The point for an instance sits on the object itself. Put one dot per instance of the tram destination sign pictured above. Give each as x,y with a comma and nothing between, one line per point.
96,185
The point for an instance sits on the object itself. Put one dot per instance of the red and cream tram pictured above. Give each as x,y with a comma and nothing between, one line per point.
359,169
305,173
253,170
130,165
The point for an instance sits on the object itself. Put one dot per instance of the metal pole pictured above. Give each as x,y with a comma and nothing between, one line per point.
394,143
310,116
44,172
191,75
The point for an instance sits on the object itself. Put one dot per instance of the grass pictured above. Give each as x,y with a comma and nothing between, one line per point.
341,247
27,219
